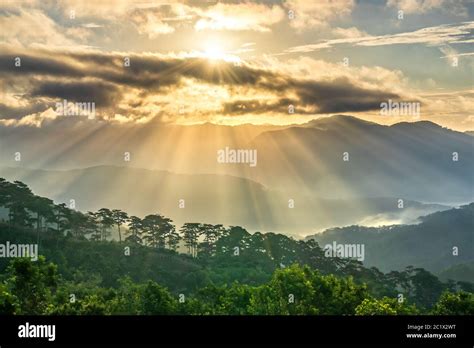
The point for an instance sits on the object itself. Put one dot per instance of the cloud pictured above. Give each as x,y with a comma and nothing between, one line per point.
432,36
314,97
102,94
456,104
39,64
311,14
242,107
36,119
92,25
157,20
351,32
75,21
341,95
422,6
162,82
19,111
310,96
459,55
27,26
154,27
104,9
245,16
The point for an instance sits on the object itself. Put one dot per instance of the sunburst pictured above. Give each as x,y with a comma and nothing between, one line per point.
214,52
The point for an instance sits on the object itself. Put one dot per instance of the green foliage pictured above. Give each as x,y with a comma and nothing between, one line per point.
35,288
32,283
461,303
8,302
128,298
225,271
385,306
156,300
299,290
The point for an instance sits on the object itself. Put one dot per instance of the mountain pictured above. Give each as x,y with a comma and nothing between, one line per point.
211,198
406,160
69,144
460,272
385,166
428,244
343,156
339,122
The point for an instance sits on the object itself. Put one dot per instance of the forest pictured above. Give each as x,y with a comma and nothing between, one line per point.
155,268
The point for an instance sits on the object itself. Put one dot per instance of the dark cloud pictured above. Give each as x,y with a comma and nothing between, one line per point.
144,70
100,93
101,77
8,112
241,107
36,65
340,95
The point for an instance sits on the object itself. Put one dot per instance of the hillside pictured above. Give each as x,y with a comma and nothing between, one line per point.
408,160
211,198
215,266
462,272
428,244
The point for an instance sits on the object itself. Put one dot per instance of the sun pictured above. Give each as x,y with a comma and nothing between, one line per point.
214,52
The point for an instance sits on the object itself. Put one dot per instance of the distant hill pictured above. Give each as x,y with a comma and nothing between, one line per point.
428,244
460,272
411,160
68,145
406,160
303,164
213,199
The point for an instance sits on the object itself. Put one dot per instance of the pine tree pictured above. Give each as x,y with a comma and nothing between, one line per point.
119,217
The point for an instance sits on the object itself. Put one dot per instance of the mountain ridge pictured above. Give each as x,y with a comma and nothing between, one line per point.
396,247
210,198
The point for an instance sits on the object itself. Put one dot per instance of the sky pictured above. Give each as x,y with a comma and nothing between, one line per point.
235,62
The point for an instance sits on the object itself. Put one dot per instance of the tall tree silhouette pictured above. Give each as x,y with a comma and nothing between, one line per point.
43,208
135,230
211,234
173,239
190,235
106,221
157,228
95,227
119,217
19,197
62,216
